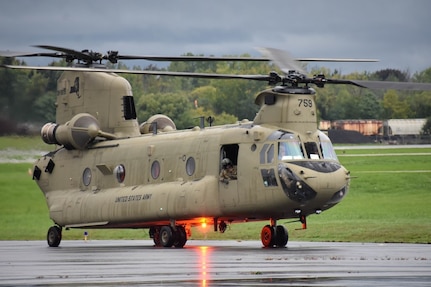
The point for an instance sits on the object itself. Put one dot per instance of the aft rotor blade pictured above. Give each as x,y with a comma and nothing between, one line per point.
282,59
139,72
233,58
74,54
10,54
77,54
190,58
335,60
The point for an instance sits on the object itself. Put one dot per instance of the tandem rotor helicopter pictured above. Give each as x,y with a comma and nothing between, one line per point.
108,171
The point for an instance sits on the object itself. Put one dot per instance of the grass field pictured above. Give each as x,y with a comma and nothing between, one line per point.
389,201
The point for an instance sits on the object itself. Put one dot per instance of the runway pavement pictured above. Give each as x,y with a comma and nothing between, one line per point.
213,263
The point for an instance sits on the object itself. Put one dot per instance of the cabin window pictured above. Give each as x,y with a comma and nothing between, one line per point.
155,169
120,173
86,176
190,166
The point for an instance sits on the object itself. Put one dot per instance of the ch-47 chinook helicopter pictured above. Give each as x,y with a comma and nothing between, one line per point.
107,171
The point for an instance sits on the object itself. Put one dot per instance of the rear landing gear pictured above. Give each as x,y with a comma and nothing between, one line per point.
167,236
274,235
54,236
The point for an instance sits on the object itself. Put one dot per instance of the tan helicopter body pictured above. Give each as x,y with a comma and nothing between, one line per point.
107,171
104,173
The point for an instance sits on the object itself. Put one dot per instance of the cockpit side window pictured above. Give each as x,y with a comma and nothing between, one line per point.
267,154
326,147
312,150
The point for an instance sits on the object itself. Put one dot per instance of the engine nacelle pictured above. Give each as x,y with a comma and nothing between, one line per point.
162,122
77,133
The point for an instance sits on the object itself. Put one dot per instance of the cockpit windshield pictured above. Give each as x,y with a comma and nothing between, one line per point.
326,147
289,147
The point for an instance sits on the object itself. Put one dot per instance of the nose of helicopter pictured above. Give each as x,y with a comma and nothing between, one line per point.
323,182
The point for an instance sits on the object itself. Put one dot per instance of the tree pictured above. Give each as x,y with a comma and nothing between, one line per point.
420,102
394,108
8,92
44,107
176,106
426,130
423,77
390,75
218,119
31,92
368,107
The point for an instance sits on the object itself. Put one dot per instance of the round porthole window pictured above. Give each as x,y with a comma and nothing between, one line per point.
86,176
120,173
190,166
155,169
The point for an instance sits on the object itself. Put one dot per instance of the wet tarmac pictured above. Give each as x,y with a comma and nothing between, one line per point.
213,263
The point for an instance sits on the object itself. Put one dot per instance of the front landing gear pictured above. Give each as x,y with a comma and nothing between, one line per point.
54,236
274,235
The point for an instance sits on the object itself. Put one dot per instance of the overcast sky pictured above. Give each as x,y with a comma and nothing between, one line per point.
397,32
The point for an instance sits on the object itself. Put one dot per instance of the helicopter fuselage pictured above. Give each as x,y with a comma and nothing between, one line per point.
156,178
106,172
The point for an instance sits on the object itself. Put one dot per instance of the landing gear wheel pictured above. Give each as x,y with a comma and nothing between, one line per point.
54,236
281,236
155,235
166,236
222,227
267,236
180,237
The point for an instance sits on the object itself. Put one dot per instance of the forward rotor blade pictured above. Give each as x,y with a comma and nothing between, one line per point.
411,86
403,86
380,85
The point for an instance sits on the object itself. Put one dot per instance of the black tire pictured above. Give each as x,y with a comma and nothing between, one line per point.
267,236
281,236
54,236
166,236
155,235
180,237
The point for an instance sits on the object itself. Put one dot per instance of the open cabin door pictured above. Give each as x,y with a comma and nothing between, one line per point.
228,180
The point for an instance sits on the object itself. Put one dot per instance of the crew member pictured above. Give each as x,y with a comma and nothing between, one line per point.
228,171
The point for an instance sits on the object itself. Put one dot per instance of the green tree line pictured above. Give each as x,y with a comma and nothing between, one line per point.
29,96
